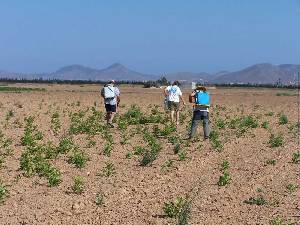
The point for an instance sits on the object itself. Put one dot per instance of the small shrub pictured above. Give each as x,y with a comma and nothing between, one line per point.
224,179
79,158
292,187
256,201
271,162
276,140
225,165
3,192
167,165
172,209
177,148
296,157
148,158
108,170
99,199
283,119
78,185
182,155
265,125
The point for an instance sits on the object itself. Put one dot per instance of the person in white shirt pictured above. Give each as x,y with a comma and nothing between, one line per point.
111,96
174,95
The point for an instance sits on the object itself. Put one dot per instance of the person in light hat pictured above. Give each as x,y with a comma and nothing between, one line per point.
201,99
111,96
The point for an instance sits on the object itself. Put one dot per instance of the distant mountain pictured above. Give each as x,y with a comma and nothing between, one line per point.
264,73
116,71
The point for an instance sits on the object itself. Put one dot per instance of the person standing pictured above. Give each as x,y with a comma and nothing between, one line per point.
174,95
111,96
201,99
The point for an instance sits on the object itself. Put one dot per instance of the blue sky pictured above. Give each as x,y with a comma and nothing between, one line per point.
150,36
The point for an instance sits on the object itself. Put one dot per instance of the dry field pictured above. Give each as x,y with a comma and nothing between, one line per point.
60,164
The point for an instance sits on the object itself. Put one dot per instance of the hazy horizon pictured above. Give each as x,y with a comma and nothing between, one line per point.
149,37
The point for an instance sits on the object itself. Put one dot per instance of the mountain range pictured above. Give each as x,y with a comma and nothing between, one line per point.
264,73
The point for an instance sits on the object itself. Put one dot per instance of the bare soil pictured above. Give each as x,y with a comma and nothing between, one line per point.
136,194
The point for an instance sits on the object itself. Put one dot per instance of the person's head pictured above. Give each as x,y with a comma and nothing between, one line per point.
111,82
176,82
201,88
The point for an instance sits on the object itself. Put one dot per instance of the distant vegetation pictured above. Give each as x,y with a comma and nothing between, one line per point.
19,89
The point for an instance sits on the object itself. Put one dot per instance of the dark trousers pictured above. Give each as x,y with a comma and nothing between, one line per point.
197,117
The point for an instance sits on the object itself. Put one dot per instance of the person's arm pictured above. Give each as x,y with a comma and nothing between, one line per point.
181,98
102,92
117,92
191,97
166,92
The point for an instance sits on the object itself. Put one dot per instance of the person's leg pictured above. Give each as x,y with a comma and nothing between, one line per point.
206,124
112,115
195,122
177,112
177,117
172,115
194,128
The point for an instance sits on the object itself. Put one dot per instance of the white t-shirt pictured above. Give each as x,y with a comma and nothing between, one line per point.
173,93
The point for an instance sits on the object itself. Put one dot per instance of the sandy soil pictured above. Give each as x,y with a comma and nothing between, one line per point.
136,194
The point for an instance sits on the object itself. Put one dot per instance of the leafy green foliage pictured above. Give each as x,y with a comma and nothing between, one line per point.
3,192
256,201
55,123
283,119
224,179
108,170
296,157
276,140
79,158
78,185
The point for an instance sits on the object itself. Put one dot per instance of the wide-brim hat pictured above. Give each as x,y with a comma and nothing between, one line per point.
201,88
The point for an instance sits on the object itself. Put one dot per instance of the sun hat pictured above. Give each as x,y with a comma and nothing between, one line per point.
200,88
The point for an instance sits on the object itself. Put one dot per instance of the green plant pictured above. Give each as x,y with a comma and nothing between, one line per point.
182,155
256,201
107,149
277,221
99,199
269,114
271,162
3,191
215,142
265,125
172,209
65,145
78,185
220,123
276,140
283,119
292,187
79,158
108,170
177,148
148,157
296,157
225,166
167,165
55,123
9,115
184,213
53,176
224,179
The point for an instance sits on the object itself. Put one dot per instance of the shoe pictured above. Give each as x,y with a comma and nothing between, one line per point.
110,125
205,138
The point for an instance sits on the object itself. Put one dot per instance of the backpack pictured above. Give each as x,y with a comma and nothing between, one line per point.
202,98
109,92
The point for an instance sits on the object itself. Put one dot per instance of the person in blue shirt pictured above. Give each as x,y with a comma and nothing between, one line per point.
200,111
